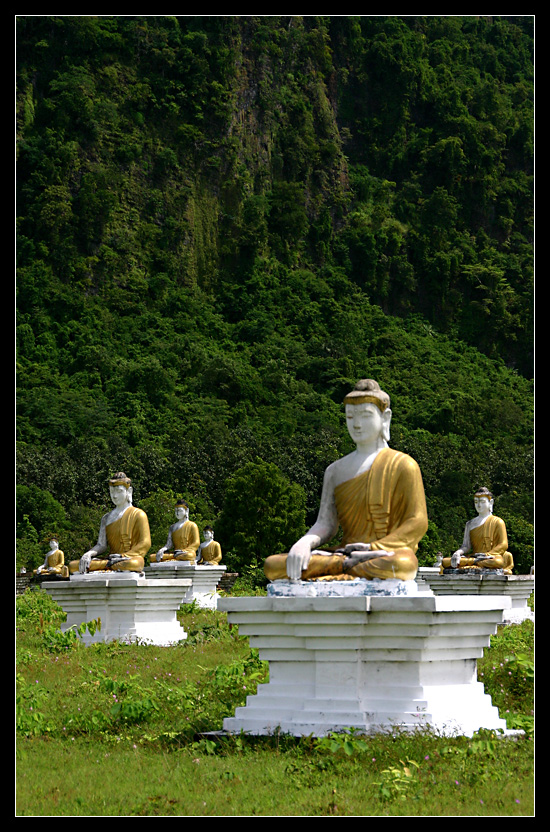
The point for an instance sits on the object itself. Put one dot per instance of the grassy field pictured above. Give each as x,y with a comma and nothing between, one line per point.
123,730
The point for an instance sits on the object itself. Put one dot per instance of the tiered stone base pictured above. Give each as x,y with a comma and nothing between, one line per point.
131,608
369,663
517,588
204,579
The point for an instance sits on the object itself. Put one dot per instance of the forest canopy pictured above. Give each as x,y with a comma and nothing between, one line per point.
223,222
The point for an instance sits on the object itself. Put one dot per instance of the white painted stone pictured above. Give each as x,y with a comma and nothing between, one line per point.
369,663
517,588
204,579
422,575
131,608
341,589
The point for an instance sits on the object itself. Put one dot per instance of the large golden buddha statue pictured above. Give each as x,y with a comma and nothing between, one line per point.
209,552
124,537
54,562
485,537
183,537
375,494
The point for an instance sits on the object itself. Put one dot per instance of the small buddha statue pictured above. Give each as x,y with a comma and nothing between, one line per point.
210,551
183,537
485,538
54,562
374,493
124,536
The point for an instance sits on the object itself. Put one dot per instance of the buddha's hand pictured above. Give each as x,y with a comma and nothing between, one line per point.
455,558
358,556
482,556
355,547
85,561
297,560
159,554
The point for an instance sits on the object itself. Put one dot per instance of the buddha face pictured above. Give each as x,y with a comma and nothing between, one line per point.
182,513
366,423
483,505
208,535
120,494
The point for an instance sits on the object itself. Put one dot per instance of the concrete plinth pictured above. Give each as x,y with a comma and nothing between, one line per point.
131,608
517,588
370,663
204,579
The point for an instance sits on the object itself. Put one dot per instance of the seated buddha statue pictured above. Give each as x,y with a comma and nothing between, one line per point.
375,494
210,551
183,537
124,537
54,563
485,538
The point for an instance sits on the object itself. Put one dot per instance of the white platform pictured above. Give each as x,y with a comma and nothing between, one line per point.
369,663
204,579
516,587
131,608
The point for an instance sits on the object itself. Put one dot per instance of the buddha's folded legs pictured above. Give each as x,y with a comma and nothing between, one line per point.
496,562
401,565
132,564
164,557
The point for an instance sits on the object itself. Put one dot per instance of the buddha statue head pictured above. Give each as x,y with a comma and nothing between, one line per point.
208,534
368,412
120,489
483,501
51,541
181,509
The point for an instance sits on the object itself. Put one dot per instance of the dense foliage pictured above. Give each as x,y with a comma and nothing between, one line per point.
223,222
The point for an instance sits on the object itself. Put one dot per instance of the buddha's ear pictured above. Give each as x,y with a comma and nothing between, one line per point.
386,420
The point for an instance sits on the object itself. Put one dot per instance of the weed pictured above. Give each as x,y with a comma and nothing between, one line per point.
56,640
398,781
348,742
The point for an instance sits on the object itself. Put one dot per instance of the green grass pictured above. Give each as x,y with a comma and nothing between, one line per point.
124,730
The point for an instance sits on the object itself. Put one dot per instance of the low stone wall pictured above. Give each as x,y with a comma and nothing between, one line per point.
22,582
227,581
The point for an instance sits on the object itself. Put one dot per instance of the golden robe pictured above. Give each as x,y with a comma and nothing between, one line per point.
128,536
386,507
187,539
211,553
488,539
55,565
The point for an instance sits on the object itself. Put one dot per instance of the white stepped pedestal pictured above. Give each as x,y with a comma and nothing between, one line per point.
516,587
131,608
369,663
204,579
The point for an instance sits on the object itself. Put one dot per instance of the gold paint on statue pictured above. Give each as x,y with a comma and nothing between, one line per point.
490,540
186,541
128,536
211,554
381,509
54,564
124,536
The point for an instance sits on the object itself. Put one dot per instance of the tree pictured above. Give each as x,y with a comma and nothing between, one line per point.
263,514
